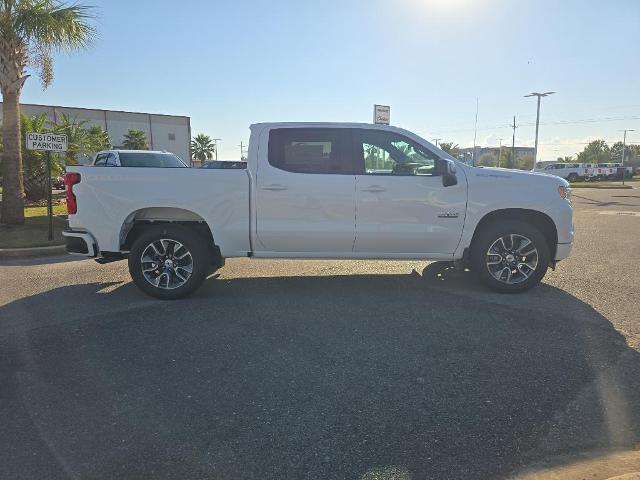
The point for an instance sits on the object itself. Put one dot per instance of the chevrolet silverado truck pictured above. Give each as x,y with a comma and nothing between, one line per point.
321,190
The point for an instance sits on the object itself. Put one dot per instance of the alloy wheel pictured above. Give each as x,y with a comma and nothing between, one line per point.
166,264
512,258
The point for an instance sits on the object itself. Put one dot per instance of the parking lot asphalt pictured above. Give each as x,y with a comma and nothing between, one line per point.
323,369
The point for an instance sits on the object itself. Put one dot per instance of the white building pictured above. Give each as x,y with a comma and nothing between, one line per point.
164,132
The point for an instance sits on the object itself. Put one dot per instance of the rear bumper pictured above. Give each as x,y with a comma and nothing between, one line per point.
563,250
80,243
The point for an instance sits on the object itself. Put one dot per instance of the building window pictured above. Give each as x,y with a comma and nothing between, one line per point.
172,136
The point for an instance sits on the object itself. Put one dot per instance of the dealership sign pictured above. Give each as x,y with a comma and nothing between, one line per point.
381,114
52,142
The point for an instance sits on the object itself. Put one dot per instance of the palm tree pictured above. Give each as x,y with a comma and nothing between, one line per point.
76,136
202,147
135,140
451,148
97,139
30,31
35,168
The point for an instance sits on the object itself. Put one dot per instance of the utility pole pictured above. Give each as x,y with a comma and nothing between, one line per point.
436,140
513,144
500,151
241,151
215,143
624,148
539,95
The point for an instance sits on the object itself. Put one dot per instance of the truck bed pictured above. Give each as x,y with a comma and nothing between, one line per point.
110,198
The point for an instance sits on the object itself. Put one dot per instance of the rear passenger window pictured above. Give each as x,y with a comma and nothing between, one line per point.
111,160
311,150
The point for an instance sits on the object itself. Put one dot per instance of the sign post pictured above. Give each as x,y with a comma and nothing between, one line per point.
49,142
381,114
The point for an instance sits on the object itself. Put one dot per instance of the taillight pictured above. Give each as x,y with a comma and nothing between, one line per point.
70,179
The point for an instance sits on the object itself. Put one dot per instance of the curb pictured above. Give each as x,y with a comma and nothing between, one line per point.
31,252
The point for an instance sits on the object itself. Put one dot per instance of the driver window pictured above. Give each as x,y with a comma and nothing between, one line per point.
387,153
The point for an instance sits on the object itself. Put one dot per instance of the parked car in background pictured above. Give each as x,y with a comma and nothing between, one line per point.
222,164
58,182
569,171
137,158
606,170
616,170
590,171
321,190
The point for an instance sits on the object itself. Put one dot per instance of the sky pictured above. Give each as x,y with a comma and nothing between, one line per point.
228,64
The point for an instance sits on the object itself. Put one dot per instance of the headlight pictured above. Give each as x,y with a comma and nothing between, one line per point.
565,192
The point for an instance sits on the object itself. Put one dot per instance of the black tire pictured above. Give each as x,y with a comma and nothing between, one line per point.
192,242
492,233
573,177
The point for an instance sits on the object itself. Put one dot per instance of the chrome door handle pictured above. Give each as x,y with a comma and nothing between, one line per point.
374,189
275,187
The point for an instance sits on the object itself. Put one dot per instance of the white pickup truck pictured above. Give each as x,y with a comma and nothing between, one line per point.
321,190
569,171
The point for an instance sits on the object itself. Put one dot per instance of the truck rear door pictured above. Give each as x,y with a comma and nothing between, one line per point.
305,191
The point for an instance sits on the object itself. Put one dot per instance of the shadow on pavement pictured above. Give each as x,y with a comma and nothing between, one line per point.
48,260
602,203
363,376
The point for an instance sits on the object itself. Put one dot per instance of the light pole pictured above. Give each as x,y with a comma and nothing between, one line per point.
436,140
539,95
624,148
215,144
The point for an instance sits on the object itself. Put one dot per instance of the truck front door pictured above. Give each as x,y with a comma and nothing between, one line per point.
402,206
305,192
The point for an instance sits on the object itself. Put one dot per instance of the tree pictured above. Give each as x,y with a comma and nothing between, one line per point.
506,160
616,152
35,167
451,148
596,152
632,157
487,160
97,138
135,140
525,162
202,147
30,32
76,136
566,159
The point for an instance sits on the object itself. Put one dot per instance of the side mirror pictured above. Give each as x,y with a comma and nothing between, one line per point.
448,170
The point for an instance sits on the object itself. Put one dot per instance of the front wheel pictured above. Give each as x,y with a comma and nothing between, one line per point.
573,177
169,261
510,257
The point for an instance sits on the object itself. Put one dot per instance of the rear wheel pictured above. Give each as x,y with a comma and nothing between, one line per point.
169,261
573,177
512,256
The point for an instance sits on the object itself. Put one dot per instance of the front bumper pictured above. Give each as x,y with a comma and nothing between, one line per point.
80,243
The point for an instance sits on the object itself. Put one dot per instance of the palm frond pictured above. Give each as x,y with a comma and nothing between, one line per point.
51,26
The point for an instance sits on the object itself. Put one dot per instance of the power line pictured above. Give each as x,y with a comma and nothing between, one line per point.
553,122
